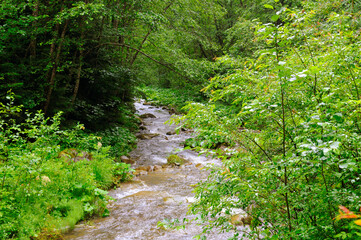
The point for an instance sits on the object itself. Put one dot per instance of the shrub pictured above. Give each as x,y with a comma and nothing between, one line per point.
43,192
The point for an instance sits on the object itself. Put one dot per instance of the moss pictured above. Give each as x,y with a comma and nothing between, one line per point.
175,160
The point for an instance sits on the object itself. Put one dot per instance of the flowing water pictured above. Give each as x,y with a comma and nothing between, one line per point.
156,194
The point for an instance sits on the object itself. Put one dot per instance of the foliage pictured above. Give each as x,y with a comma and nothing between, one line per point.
60,56
284,90
50,178
122,140
293,120
353,228
173,98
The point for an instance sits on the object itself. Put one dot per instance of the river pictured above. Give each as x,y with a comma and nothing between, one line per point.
157,193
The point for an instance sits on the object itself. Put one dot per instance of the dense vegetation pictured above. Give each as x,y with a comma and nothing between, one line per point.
272,87
287,110
51,178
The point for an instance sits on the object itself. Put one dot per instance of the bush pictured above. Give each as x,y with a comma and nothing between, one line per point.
173,98
296,132
50,178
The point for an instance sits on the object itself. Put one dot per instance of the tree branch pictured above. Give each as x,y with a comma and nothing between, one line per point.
151,58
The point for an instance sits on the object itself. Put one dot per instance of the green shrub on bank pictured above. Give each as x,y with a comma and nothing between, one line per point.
297,132
173,98
209,135
122,140
50,178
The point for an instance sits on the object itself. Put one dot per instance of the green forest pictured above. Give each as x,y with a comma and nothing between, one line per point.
271,87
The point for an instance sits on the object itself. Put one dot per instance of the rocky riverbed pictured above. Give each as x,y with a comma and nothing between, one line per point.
159,191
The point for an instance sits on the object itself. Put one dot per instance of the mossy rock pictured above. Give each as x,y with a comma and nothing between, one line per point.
176,160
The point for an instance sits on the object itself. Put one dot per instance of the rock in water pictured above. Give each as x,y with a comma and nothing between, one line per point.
127,160
157,168
176,160
142,128
147,136
147,115
123,158
171,133
241,220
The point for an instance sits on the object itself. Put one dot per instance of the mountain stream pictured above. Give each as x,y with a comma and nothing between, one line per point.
158,192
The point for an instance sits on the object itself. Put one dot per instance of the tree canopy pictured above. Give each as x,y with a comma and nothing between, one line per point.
276,81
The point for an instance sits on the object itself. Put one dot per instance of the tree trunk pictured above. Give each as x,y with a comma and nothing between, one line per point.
81,53
32,45
55,67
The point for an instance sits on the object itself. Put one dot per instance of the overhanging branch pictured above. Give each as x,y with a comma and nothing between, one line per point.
151,58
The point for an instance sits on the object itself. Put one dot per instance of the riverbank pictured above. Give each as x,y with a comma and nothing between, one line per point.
143,208
52,177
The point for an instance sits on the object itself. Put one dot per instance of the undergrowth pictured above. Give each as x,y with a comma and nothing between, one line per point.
51,178
173,98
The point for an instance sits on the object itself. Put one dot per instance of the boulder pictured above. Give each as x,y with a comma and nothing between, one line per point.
149,168
241,220
176,160
127,160
140,173
141,168
172,111
165,166
157,168
147,115
145,168
146,136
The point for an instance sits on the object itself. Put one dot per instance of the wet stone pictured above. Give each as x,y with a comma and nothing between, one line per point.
140,173
176,160
147,136
166,166
171,133
141,168
145,168
172,111
147,115
241,219
127,160
157,168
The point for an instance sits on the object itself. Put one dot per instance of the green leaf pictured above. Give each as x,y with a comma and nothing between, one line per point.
274,18
100,192
268,6
338,117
